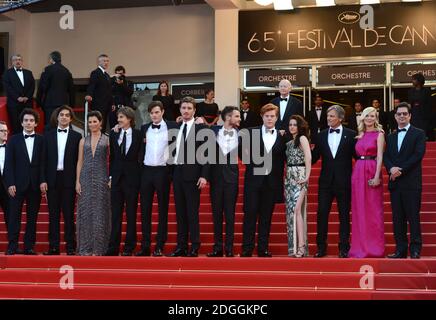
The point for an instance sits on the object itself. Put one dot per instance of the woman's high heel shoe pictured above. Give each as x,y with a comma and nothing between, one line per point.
300,252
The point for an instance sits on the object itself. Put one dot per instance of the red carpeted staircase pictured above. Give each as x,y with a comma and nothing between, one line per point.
233,278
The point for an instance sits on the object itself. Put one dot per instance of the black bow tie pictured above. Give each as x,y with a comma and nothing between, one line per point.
402,130
283,99
228,132
155,126
244,111
29,136
358,113
269,131
63,130
334,130
318,108
19,70
3,146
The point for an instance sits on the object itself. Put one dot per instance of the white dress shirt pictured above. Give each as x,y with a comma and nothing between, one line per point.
29,145
334,139
62,142
269,139
179,136
104,71
227,142
401,136
2,157
283,105
20,75
318,114
156,149
128,138
245,114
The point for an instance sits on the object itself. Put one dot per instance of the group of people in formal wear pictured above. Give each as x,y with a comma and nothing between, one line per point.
106,174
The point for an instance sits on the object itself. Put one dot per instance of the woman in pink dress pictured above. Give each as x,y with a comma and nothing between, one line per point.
367,233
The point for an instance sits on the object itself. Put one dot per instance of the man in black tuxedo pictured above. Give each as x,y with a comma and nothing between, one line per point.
190,176
122,90
19,85
224,180
354,118
382,115
317,118
59,179
249,118
263,185
56,87
125,176
336,147
155,177
4,197
23,171
419,98
405,150
99,92
288,106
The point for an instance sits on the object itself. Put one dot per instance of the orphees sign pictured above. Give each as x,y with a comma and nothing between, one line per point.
399,29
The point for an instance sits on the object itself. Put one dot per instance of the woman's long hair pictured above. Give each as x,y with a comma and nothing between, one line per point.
303,129
361,128
159,93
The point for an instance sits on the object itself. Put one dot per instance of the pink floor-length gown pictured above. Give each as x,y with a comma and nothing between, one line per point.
367,229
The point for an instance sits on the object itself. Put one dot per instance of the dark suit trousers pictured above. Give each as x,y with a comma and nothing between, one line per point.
61,198
187,196
258,202
154,179
325,200
123,194
14,118
4,203
33,202
223,197
406,205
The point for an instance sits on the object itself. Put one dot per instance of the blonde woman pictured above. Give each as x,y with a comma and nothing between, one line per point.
367,240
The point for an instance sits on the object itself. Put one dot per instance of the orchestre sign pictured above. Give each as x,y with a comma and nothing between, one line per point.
404,72
351,75
271,78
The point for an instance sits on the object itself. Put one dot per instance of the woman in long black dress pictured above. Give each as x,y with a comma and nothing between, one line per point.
208,110
163,95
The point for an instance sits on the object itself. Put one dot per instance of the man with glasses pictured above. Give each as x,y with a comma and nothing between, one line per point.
405,149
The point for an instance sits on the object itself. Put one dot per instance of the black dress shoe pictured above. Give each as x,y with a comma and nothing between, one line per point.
320,254
264,254
193,253
111,253
10,252
178,253
52,252
215,254
343,254
229,254
127,253
246,254
29,252
71,252
158,252
144,252
415,255
398,255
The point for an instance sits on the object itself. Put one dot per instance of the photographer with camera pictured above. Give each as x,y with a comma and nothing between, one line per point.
122,90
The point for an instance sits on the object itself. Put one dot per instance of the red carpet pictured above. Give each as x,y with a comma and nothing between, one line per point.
232,278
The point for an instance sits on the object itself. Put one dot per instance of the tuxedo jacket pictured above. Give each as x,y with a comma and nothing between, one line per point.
2,179
100,89
228,172
335,172
19,171
352,121
56,87
294,107
253,119
273,176
315,124
50,158
409,159
128,165
192,172
14,88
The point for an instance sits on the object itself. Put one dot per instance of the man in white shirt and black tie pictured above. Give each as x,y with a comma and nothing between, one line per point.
20,86
336,147
59,179
317,118
22,173
4,197
155,177
249,118
125,175
224,181
288,106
